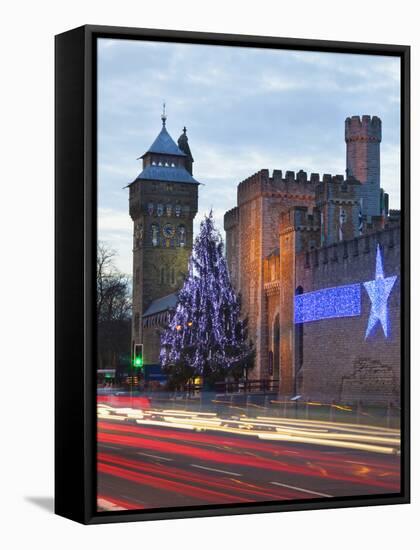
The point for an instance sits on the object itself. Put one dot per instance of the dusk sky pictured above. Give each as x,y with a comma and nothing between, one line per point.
245,109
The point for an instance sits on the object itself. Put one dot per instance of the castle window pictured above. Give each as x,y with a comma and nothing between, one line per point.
172,276
181,235
270,363
136,322
162,275
155,234
137,277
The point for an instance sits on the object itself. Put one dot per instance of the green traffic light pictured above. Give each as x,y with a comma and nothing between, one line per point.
138,362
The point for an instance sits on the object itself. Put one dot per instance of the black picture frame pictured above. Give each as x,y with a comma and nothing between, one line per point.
75,265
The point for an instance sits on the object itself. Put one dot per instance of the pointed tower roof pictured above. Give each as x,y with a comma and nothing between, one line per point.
158,164
164,144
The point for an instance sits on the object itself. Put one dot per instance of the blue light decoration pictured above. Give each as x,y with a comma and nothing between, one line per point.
345,301
379,290
328,303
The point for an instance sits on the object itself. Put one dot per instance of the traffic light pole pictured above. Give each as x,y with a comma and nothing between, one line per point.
136,363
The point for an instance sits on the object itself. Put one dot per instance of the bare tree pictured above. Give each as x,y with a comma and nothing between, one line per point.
113,294
113,307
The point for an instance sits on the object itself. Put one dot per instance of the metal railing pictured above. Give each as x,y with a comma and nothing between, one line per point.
238,386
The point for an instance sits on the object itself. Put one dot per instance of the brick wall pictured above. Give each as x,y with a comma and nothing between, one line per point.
252,232
339,362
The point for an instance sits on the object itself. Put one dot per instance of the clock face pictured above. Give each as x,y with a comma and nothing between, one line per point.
168,230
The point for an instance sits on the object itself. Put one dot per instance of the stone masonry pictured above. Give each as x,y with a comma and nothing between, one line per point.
294,234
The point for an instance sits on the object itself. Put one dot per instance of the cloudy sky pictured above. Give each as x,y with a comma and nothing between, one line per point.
245,109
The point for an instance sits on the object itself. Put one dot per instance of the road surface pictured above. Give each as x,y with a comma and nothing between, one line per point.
167,459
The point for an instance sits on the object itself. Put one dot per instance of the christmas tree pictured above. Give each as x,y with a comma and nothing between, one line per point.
205,336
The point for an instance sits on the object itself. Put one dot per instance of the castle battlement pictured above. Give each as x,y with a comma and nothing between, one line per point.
231,218
348,251
299,218
296,232
290,177
336,188
291,183
365,128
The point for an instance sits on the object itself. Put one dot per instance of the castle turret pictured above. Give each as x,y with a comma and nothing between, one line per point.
339,204
185,148
363,136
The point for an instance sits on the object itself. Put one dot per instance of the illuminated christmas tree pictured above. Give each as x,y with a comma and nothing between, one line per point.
205,335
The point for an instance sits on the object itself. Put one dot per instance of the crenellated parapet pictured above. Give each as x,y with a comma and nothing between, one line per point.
349,250
299,218
253,186
365,128
287,184
337,189
231,218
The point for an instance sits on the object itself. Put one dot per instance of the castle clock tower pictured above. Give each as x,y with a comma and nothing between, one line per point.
163,204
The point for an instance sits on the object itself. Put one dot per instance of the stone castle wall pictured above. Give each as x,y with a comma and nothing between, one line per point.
338,361
294,234
251,233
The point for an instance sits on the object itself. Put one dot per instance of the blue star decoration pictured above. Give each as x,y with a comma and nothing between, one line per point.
379,290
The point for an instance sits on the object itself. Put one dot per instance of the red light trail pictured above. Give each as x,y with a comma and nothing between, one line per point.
142,467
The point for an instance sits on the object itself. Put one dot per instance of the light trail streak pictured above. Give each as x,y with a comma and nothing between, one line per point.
167,467
330,443
112,504
300,489
214,440
208,495
216,470
202,479
156,456
323,433
210,455
343,425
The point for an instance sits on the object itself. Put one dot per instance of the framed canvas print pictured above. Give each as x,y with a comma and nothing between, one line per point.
232,274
